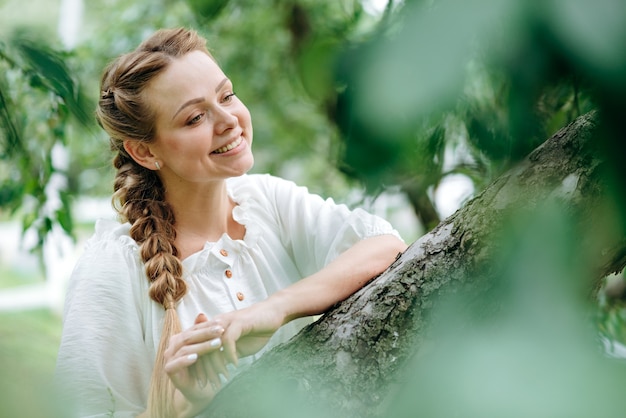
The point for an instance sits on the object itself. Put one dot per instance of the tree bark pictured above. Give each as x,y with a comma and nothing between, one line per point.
344,364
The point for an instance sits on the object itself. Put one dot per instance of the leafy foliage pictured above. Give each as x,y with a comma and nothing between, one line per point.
489,75
500,77
38,97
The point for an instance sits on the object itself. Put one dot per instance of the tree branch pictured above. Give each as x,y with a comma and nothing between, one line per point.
344,364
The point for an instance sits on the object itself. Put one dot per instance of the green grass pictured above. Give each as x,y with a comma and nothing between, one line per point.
29,341
28,347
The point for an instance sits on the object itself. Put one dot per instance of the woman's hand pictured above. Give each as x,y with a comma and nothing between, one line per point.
248,330
193,362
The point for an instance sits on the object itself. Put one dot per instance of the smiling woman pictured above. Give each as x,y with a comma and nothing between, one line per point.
208,267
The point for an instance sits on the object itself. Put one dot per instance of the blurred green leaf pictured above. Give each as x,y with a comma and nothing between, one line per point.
10,135
593,33
422,69
315,64
64,213
48,70
207,9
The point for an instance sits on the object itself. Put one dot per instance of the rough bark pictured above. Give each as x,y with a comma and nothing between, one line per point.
344,364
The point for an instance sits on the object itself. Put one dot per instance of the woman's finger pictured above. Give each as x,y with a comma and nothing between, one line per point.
201,348
199,341
210,375
198,374
218,363
175,365
229,339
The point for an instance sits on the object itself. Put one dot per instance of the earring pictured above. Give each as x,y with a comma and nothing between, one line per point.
157,165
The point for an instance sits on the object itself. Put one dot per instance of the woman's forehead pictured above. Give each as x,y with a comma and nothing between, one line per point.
195,66
188,77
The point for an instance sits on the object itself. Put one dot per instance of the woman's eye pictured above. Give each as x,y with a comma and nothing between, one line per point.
229,97
195,119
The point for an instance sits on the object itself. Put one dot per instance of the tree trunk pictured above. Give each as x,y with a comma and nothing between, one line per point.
344,364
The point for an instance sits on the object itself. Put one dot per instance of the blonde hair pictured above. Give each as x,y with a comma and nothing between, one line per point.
138,196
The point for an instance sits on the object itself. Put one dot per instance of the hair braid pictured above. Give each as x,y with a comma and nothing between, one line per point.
139,196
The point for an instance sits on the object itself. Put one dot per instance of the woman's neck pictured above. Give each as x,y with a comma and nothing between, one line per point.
202,215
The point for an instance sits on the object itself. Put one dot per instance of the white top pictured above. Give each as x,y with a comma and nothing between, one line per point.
111,326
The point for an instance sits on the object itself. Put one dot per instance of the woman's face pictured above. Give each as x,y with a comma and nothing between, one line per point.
203,131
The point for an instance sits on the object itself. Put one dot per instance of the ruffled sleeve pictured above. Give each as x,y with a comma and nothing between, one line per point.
315,230
104,364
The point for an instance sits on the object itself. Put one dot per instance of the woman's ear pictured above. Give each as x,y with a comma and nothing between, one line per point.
140,152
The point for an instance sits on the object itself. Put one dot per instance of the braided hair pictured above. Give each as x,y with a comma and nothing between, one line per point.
139,196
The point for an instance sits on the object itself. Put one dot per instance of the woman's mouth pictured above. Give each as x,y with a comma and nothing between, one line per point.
228,147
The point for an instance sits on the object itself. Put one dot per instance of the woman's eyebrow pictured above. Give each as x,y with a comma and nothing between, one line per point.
219,86
188,103
199,99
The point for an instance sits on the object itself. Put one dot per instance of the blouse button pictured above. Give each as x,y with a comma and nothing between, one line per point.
224,252
228,274
240,296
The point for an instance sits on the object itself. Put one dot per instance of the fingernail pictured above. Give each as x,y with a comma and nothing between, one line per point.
192,357
216,342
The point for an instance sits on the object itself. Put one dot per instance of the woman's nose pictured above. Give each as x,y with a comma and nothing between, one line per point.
224,120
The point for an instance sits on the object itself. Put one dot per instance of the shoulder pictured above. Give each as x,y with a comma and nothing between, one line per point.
265,190
110,254
109,270
263,201
111,237
111,230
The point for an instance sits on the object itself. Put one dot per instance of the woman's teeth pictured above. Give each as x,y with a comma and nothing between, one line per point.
228,147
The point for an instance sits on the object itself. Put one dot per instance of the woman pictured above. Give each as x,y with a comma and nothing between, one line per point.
209,266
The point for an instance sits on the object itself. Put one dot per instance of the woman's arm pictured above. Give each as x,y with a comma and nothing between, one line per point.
341,278
103,363
247,330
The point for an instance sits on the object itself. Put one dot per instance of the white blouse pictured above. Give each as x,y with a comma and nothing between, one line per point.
111,326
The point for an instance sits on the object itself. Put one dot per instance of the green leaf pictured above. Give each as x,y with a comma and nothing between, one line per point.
315,63
10,134
207,10
47,67
64,214
593,33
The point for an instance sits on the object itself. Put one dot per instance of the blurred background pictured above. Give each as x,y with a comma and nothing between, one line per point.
405,108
